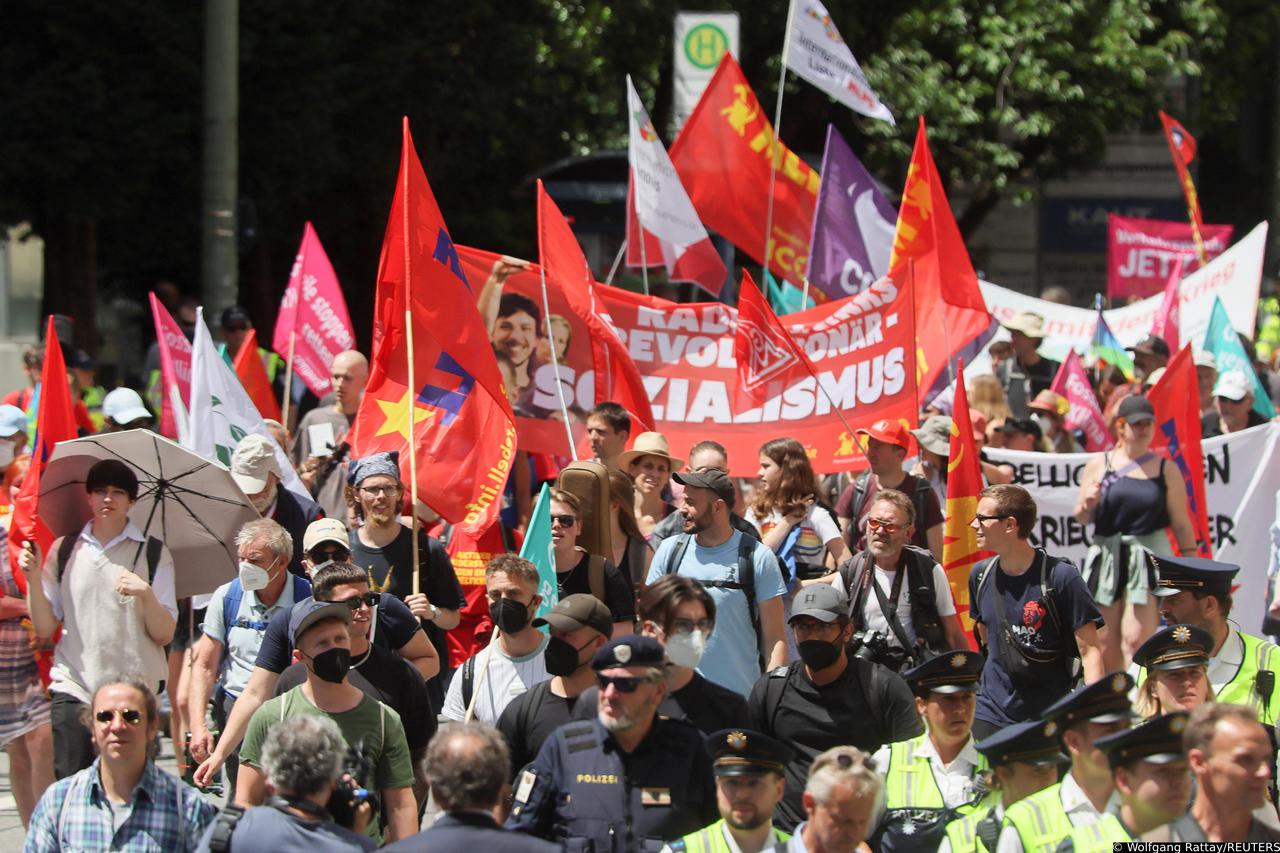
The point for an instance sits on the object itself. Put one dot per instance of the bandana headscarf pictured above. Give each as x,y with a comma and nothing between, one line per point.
386,463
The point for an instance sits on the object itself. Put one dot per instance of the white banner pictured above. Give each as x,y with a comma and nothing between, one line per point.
815,51
701,40
1242,476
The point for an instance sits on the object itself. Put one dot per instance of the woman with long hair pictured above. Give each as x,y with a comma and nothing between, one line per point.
649,463
800,531
1134,496
631,553
1176,661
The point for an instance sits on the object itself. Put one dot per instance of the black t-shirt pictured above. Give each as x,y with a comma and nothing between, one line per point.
1041,374
1000,701
385,676
786,705
395,627
705,704
530,718
618,595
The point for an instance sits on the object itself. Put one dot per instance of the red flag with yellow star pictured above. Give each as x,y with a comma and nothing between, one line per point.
464,434
964,482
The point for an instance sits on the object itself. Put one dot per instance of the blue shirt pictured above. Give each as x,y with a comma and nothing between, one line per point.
241,644
74,814
731,658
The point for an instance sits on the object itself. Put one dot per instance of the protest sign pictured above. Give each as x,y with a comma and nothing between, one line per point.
313,325
1141,253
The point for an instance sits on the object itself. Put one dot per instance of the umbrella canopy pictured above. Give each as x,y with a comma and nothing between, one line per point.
189,503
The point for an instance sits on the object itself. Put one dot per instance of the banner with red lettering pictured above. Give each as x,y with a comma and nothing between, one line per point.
861,348
312,326
1141,252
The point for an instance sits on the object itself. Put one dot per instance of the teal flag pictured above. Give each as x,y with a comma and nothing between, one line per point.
538,549
1221,340
785,298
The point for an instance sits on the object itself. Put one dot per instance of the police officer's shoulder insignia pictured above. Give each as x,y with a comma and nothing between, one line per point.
958,661
1050,729
736,740
525,788
1181,634
1119,684
622,653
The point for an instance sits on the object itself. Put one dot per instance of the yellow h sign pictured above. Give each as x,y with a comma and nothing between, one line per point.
705,44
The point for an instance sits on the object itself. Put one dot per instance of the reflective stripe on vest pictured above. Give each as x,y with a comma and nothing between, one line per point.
1242,689
711,839
909,780
1040,820
1099,836
963,832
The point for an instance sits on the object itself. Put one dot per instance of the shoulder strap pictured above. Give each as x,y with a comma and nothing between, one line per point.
920,498
301,588
65,547
595,576
860,485
223,828
677,556
469,677
869,676
230,607
747,577
153,556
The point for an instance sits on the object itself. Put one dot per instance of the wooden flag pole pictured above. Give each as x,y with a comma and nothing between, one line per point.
555,361
413,452
288,382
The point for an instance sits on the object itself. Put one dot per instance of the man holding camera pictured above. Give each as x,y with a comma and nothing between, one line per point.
899,599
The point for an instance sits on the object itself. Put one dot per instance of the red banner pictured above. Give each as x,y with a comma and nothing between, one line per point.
1176,400
861,349
1141,253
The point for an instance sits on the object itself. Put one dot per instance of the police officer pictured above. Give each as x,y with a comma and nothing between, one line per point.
749,784
1152,786
628,781
1242,667
934,777
1176,661
1024,759
1038,823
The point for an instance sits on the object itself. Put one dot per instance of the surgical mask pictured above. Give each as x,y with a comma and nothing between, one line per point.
316,568
560,657
6,453
685,649
332,665
819,654
253,577
509,615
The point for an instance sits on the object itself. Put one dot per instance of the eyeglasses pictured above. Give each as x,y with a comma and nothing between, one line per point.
369,599
622,683
688,626
379,491
129,715
336,554
887,526
981,519
564,520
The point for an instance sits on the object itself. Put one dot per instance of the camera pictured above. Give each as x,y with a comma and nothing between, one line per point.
350,793
873,646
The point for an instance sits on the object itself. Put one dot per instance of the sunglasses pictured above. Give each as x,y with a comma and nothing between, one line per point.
982,519
564,520
621,683
369,599
336,554
887,526
129,715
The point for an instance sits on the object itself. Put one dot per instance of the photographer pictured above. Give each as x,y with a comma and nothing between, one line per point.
302,760
900,602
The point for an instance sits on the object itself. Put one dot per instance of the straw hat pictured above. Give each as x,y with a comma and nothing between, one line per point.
1027,322
649,444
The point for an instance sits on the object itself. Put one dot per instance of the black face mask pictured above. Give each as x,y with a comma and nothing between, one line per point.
561,658
819,654
509,615
332,665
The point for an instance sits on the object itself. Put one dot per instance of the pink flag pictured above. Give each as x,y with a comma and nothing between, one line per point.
1084,414
1165,324
313,313
175,368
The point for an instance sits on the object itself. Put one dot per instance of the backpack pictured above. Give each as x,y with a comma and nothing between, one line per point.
869,675
1049,593
860,483
231,606
68,544
921,596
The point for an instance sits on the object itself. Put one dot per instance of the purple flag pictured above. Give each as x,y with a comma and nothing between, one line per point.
853,224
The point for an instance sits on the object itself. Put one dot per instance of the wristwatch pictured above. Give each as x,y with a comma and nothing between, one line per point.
435,611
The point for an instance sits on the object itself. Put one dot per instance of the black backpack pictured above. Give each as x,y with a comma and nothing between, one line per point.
855,573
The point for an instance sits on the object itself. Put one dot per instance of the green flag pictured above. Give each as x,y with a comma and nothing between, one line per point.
1221,340
538,549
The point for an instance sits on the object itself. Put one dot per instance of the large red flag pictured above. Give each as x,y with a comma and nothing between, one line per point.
1182,147
464,433
617,377
253,376
313,325
964,481
724,155
55,422
1176,399
952,320
767,356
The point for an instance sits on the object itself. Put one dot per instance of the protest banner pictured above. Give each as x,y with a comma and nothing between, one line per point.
1084,413
173,395
1141,253
312,326
1242,476
815,51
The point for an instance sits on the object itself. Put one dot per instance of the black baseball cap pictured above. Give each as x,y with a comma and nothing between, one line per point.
1151,345
709,478
308,612
1136,409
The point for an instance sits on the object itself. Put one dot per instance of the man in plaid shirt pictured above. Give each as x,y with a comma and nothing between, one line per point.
122,801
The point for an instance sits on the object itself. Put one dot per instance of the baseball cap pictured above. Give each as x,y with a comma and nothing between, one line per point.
78,359
1151,345
12,421
308,612
325,530
253,459
1204,358
124,406
821,601
713,479
1233,385
889,431
578,611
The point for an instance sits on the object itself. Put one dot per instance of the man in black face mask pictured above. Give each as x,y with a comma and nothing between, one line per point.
579,625
320,638
826,698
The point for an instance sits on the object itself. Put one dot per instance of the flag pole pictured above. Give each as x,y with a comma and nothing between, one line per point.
413,451
776,143
644,263
555,361
617,261
804,295
288,381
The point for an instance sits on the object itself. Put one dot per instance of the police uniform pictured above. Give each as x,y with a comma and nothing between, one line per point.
1244,671
922,795
1032,742
736,752
1175,647
585,792
1038,823
1158,741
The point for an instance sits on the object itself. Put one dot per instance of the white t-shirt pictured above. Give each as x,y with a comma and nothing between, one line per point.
816,530
505,679
875,616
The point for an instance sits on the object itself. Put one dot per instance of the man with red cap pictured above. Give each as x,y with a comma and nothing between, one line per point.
886,444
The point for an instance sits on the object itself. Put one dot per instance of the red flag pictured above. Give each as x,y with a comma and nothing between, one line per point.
464,433
617,377
1182,147
951,316
55,422
724,155
1165,323
1176,399
964,482
767,356
313,325
175,369
1084,414
253,376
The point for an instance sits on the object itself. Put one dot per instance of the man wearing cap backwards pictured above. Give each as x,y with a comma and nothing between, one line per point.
887,444
826,698
749,784
1242,668
318,450
256,470
1149,356
579,625
1038,823
1027,373
1233,406
934,777
1024,760
1230,757
1151,782
628,780
318,631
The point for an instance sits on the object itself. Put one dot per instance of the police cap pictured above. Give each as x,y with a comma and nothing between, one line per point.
956,671
1158,740
631,650
1175,647
1192,574
742,752
1104,701
1032,742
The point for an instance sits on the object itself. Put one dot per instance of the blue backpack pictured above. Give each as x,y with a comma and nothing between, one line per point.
231,606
